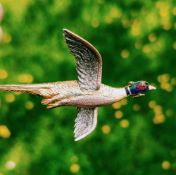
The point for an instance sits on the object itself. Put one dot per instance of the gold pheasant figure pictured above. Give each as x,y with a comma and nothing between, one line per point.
86,93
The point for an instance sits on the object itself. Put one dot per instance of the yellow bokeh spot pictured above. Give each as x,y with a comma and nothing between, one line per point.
125,53
116,105
74,168
146,49
29,105
163,78
167,26
166,86
150,19
166,165
164,12
124,123
163,8
118,114
152,37
106,129
152,104
136,107
3,74
10,98
4,131
115,13
158,109
135,28
6,38
25,78
112,14
158,119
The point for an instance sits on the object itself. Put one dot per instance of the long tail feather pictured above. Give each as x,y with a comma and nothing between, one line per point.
37,89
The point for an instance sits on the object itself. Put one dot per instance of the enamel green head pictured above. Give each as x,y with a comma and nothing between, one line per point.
138,88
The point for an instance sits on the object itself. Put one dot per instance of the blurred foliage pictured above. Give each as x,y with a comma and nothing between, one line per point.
136,40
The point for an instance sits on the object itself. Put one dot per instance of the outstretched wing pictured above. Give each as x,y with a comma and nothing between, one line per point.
85,122
88,61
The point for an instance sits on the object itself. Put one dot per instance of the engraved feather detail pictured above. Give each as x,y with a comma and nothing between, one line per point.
85,122
88,61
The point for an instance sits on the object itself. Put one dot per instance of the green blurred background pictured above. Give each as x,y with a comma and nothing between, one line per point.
137,40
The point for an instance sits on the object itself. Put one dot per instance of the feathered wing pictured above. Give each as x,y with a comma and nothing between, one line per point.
88,61
85,122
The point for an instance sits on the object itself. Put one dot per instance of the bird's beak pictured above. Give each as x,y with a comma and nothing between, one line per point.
152,87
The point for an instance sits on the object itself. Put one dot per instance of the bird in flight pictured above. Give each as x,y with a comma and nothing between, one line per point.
87,93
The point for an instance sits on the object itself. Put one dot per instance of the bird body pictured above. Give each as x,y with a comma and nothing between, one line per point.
86,93
73,96
68,93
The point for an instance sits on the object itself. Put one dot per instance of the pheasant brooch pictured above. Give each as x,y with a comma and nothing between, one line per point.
86,93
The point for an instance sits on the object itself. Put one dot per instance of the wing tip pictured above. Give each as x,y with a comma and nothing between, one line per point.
79,137
67,31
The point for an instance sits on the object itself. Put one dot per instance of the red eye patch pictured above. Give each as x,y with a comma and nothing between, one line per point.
141,87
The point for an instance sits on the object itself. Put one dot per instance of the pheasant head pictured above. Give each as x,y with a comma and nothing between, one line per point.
139,88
